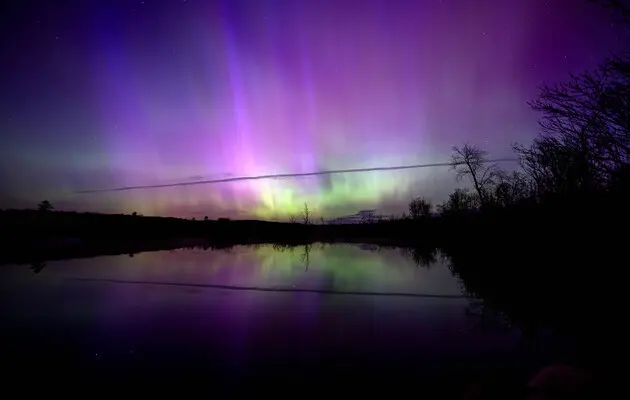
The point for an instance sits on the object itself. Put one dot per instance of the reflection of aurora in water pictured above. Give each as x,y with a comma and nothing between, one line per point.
342,267
320,267
346,267
178,310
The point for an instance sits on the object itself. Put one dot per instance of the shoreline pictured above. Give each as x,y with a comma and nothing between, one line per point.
58,249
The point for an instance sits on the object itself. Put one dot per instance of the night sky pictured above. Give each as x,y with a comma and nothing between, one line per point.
104,94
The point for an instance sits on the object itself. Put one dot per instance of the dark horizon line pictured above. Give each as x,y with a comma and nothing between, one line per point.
280,176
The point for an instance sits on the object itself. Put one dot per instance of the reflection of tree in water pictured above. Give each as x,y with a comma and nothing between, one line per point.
37,267
497,303
306,256
421,257
339,265
482,314
282,248
487,318
369,247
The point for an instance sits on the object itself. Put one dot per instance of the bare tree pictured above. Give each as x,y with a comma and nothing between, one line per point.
585,123
45,206
459,201
292,219
472,162
552,167
511,188
419,208
584,144
306,215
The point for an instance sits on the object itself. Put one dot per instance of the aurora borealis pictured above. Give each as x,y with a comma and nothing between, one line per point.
107,94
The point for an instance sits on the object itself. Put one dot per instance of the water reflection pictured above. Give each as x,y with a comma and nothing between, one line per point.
267,289
37,267
244,309
344,268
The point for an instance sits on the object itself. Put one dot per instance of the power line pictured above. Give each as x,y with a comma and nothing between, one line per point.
270,289
280,176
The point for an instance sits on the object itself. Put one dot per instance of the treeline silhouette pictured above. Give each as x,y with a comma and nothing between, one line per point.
573,187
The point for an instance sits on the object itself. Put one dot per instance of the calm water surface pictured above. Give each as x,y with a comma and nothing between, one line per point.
256,312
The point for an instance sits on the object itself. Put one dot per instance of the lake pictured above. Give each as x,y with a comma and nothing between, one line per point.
355,315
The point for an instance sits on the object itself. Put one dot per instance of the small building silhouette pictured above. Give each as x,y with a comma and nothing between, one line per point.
358,218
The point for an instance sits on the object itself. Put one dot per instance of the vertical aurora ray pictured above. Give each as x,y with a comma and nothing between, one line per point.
187,91
242,128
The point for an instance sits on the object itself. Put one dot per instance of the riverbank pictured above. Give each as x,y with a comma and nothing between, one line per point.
538,269
530,288
34,236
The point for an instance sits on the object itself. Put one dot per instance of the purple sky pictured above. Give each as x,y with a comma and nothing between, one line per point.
106,94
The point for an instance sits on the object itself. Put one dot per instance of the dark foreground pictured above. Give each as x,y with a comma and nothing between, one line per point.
339,319
555,278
